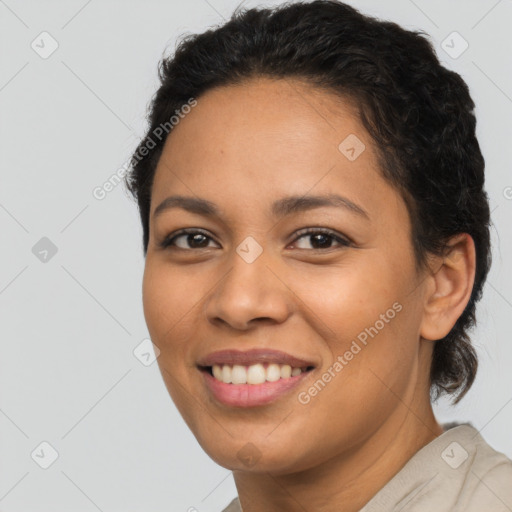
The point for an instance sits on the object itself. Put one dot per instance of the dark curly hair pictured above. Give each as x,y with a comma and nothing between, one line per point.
419,113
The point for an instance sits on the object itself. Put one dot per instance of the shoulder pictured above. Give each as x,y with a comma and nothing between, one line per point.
488,478
234,506
456,472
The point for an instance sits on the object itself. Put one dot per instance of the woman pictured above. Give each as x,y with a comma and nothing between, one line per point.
316,235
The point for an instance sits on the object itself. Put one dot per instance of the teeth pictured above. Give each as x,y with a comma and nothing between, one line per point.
238,375
286,371
273,372
254,374
226,374
218,372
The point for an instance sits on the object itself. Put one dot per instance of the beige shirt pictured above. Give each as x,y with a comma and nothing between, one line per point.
456,472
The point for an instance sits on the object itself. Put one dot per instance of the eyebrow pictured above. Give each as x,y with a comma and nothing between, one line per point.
280,208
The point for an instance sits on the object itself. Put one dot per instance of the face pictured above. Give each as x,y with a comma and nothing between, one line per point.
268,273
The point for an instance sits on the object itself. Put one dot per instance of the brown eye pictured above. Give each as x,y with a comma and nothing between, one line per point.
187,240
321,239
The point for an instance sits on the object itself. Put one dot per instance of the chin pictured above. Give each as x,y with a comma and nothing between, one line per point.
257,457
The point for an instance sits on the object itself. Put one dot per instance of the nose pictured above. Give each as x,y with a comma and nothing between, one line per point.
249,294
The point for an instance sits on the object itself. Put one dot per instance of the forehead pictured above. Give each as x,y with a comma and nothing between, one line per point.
267,137
274,113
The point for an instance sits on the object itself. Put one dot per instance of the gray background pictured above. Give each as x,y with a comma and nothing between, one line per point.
70,324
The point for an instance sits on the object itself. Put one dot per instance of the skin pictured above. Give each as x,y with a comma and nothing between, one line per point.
243,147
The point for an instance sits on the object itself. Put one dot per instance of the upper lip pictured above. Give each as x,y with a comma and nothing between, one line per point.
253,356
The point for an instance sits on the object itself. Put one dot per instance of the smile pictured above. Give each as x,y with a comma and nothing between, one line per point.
254,374
252,377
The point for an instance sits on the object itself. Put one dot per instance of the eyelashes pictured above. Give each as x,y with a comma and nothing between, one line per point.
202,239
326,234
191,234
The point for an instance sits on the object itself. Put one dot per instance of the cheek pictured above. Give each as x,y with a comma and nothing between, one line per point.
164,293
169,313
351,297
168,304
366,316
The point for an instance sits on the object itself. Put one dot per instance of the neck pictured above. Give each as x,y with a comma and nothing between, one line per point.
347,481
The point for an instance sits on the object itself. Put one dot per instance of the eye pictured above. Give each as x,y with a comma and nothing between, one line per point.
320,239
189,239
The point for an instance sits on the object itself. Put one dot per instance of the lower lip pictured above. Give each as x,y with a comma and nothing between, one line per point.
251,395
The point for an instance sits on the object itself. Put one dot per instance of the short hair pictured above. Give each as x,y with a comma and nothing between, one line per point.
419,113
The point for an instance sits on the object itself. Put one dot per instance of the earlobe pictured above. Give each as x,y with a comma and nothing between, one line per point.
451,286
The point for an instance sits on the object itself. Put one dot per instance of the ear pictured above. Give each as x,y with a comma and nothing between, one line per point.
449,288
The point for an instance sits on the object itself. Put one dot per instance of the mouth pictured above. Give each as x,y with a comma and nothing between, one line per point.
254,377
253,374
